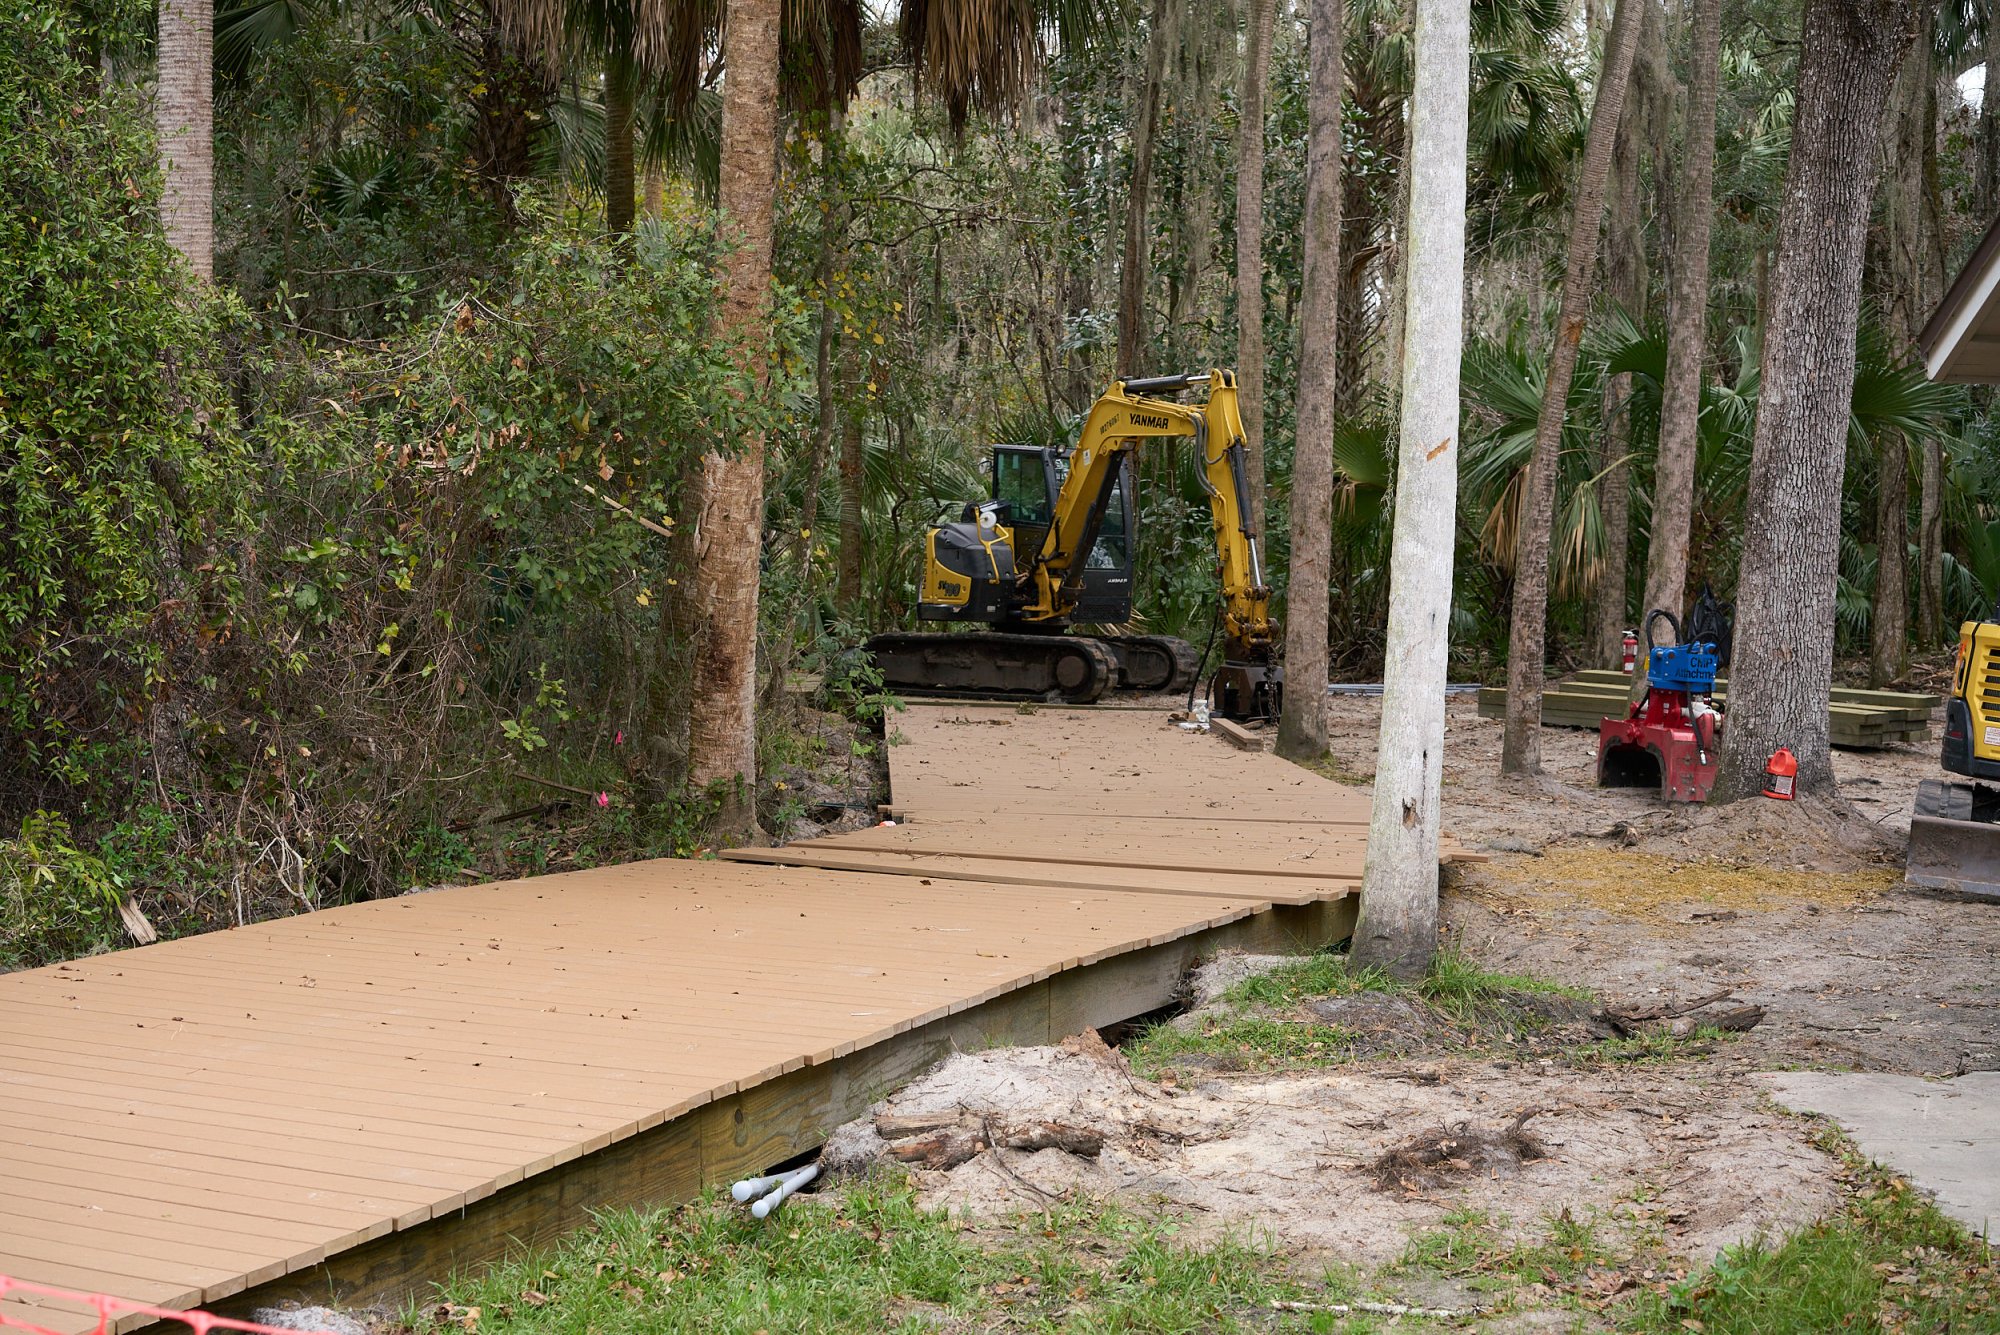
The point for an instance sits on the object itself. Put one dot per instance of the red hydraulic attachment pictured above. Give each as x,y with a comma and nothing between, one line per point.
1668,740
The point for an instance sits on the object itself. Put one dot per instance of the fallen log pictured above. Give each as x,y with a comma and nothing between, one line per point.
944,1141
1682,1019
1736,1020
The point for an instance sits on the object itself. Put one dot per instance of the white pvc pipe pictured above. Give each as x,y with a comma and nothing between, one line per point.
757,1186
752,1186
786,1186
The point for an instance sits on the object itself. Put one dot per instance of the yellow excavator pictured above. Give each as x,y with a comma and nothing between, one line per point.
1052,549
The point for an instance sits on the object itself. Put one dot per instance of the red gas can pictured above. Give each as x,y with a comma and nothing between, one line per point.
1781,775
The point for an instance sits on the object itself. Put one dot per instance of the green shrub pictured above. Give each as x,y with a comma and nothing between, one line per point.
121,472
56,900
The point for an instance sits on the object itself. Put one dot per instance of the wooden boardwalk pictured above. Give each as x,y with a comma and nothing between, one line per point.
348,1103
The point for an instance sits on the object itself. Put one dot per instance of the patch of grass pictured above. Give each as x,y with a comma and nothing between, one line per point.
1458,985
1886,1260
865,1257
1456,1242
1253,1030
1467,1242
1240,1042
1330,766
1454,984
1654,1048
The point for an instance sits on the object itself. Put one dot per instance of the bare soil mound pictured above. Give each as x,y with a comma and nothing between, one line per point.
1654,1157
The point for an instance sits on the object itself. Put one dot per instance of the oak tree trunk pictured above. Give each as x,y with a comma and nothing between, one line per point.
722,724
1783,669
1138,196
1520,750
1250,248
184,116
1397,930
1302,722
1687,326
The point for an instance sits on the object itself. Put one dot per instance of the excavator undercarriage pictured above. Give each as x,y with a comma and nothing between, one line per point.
1076,669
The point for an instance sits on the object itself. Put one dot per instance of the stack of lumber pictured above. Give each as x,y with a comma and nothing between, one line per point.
1861,720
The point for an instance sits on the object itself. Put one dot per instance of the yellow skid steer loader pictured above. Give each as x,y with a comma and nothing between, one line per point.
1955,831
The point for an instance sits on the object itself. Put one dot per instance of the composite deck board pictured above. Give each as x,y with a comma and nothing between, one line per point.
897,862
182,1122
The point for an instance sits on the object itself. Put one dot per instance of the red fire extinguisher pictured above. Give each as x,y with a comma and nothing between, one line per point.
1781,775
1631,651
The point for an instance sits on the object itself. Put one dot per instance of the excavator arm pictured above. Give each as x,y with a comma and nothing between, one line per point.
1122,422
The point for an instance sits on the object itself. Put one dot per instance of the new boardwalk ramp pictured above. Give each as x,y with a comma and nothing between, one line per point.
347,1105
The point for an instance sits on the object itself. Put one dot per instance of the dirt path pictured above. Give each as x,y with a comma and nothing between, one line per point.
1658,1159
1615,891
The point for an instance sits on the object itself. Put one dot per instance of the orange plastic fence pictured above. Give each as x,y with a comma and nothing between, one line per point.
109,1309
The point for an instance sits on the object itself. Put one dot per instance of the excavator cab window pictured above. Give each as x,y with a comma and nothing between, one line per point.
1022,481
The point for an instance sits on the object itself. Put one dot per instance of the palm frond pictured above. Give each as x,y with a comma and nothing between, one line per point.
977,55
244,29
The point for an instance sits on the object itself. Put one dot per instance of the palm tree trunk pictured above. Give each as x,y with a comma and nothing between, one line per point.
1520,749
1907,260
1138,196
1989,125
1302,722
1903,241
1250,247
722,724
514,89
654,190
1930,547
1687,332
184,115
1783,670
1397,930
1625,280
847,573
620,185
1889,616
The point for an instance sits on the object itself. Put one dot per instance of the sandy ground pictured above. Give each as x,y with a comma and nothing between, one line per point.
1615,891
1666,1160
1801,911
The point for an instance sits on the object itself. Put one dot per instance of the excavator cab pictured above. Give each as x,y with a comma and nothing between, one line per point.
1026,481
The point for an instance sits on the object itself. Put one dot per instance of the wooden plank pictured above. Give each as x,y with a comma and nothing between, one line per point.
1220,884
1239,736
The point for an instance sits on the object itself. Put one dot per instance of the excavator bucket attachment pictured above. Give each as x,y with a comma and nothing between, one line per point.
1954,843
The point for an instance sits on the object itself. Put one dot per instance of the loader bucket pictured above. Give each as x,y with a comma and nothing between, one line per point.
1961,855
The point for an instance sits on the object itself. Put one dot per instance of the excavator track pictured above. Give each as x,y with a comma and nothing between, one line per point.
1072,668
1153,662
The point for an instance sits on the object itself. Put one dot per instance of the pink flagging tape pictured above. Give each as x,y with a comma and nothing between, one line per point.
109,1309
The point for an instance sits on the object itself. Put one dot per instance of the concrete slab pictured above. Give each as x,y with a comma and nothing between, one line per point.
1944,1135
